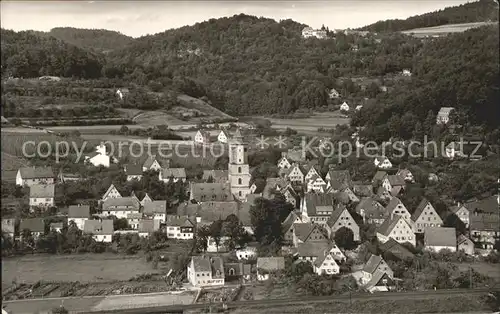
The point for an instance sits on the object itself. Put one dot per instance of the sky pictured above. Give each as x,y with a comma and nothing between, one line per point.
138,18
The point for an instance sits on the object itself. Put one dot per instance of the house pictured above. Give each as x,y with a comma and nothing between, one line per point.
288,223
112,192
78,214
222,137
380,281
443,116
333,93
295,173
396,207
237,271
362,190
406,72
9,226
341,218
290,195
34,175
344,106
202,137
382,162
350,194
146,199
122,93
246,253
133,220
489,205
465,245
317,207
316,184
338,179
440,238
484,230
35,225
101,229
397,228
383,194
174,174
156,210
406,175
308,32
454,149
99,157
120,207
372,211
375,263
358,107
308,232
147,227
204,271
267,265
312,250
56,226
425,216
218,176
133,172
326,265
395,250
42,195
152,163
214,192
311,173
284,163
180,227
65,177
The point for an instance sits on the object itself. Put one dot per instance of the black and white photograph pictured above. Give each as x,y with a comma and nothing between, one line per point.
241,157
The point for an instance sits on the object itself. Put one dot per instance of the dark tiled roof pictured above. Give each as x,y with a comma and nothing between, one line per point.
180,221
372,208
484,222
389,224
32,224
395,248
98,227
155,207
133,170
312,248
420,208
209,264
79,211
202,192
179,173
372,263
271,263
379,175
485,205
131,202
339,209
36,172
42,191
313,201
220,176
396,180
440,236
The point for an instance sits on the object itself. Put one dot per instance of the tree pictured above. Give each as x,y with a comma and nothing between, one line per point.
344,238
120,224
215,232
232,228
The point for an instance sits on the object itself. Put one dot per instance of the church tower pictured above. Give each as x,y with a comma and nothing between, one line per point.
239,171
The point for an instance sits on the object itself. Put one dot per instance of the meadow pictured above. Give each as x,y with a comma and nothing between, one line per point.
445,29
69,268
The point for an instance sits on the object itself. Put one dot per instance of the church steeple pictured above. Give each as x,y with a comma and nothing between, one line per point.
239,170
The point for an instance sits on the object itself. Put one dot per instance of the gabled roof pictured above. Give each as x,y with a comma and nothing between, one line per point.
155,207
420,208
303,230
216,175
403,173
339,178
312,249
372,208
98,227
271,185
372,263
180,221
148,226
339,209
208,264
293,167
271,263
148,162
36,172
396,180
32,224
202,192
131,202
444,111
486,205
321,258
146,198
211,211
288,222
393,203
173,172
111,187
440,236
42,191
377,278
362,189
379,175
79,211
133,170
389,224
463,239
318,202
396,249
484,222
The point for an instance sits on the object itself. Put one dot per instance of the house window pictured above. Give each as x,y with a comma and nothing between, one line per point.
239,169
231,272
239,181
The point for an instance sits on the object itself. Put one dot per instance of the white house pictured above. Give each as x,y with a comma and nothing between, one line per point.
284,163
122,92
396,228
406,72
112,192
151,163
382,162
326,265
308,32
440,238
34,175
101,230
246,253
396,207
454,149
316,184
344,106
204,271
121,207
180,227
79,214
202,137
222,137
375,263
358,107
156,210
99,157
425,216
443,116
42,195
176,174
333,93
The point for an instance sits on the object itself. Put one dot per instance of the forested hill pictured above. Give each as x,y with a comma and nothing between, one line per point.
27,54
480,11
94,39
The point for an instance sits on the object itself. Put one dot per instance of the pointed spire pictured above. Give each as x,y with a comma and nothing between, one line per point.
237,135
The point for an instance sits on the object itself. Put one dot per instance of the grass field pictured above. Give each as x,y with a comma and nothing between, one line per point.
152,118
11,162
327,120
445,29
83,268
